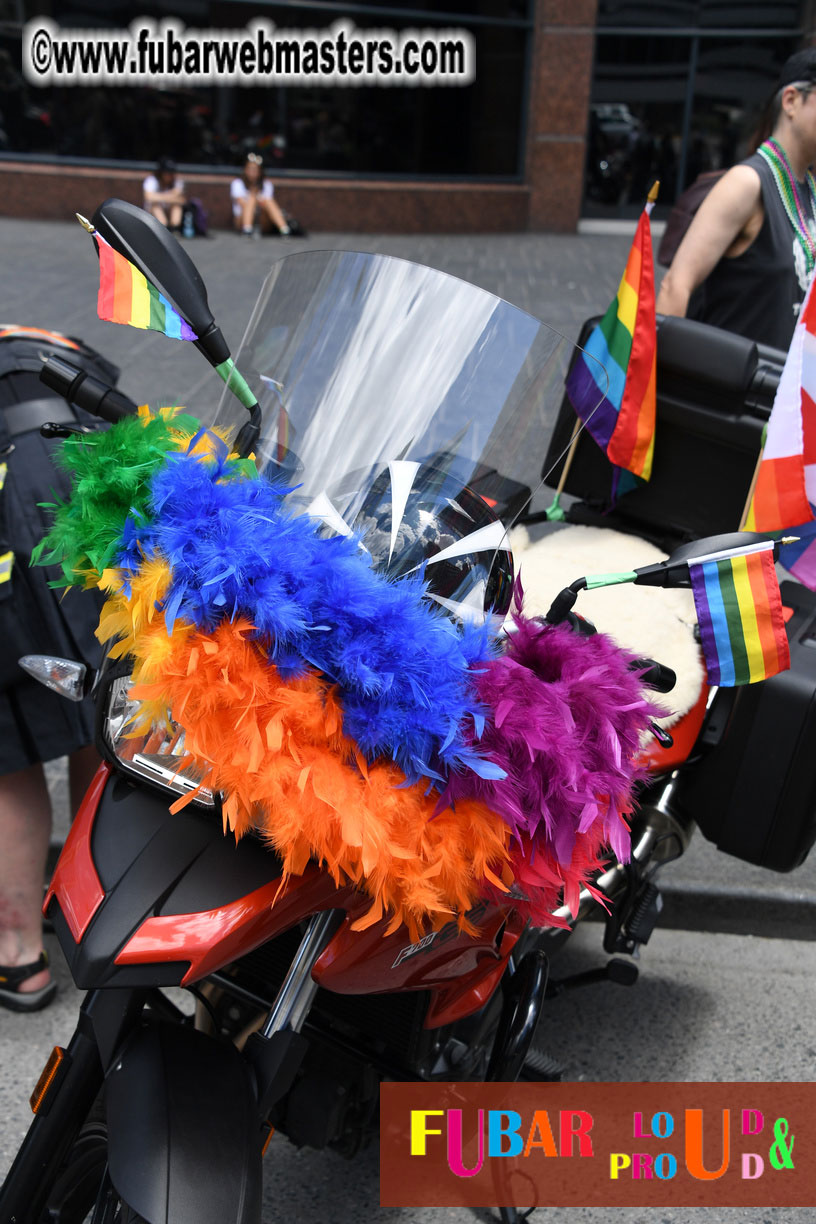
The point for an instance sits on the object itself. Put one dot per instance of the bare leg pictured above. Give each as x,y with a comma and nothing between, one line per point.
273,214
176,214
159,213
248,207
25,831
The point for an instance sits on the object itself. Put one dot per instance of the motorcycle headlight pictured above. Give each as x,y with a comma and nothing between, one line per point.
155,755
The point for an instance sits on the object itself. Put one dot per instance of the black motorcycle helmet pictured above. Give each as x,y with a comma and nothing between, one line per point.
419,518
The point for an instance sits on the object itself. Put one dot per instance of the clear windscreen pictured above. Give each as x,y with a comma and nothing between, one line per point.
405,406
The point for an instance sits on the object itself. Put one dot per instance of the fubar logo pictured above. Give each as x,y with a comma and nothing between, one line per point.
504,1136
681,1144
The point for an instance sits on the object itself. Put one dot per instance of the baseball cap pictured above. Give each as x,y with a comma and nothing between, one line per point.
801,66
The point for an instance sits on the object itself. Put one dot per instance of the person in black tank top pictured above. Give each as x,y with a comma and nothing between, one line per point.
746,260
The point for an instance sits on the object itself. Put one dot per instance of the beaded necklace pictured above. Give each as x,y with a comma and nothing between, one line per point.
774,155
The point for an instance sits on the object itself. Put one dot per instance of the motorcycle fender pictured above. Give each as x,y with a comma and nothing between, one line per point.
183,1130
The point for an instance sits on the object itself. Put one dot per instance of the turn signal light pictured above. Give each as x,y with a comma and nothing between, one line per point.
47,1078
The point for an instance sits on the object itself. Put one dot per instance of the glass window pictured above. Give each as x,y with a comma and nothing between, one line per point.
646,13
671,106
734,80
494,9
635,121
689,14
470,131
751,14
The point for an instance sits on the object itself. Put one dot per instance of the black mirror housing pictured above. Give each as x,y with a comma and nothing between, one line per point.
148,245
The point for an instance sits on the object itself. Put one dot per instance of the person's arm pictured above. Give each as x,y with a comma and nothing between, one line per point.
729,217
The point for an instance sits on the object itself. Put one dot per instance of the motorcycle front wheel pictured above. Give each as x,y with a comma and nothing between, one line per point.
82,1192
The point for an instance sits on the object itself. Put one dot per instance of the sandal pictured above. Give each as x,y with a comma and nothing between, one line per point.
11,976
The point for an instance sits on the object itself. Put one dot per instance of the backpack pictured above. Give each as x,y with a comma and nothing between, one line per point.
32,620
683,213
194,219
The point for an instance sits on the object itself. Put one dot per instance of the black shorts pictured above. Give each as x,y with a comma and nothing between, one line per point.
35,723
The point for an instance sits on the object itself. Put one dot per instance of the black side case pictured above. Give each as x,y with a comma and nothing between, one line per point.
714,395
752,789
753,793
32,618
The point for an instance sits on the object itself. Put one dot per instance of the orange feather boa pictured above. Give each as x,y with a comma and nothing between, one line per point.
277,752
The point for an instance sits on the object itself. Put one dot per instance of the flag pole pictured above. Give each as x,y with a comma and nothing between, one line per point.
554,512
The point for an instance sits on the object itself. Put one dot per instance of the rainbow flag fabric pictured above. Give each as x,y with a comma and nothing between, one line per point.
739,610
127,296
785,491
625,343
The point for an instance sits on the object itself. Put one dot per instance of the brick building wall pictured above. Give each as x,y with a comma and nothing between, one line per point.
559,106
54,192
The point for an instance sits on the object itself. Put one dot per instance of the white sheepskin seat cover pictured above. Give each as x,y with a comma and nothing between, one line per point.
650,621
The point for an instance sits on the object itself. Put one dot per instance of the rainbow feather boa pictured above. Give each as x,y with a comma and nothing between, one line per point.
336,710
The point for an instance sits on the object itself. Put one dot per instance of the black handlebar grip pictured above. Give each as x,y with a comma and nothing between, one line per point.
82,389
656,675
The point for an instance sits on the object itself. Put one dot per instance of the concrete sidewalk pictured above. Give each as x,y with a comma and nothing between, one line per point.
48,277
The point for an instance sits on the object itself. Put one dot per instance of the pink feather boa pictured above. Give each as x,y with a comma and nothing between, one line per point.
568,717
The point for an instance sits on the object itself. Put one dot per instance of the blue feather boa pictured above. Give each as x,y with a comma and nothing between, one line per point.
402,668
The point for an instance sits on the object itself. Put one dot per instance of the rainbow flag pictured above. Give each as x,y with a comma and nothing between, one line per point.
739,610
127,296
625,344
785,490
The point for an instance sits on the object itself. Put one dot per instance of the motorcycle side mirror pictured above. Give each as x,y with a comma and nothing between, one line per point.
149,245
151,248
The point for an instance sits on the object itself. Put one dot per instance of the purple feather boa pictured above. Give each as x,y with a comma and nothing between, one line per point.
568,716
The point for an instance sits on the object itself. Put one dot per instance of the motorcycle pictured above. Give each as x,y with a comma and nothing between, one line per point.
404,412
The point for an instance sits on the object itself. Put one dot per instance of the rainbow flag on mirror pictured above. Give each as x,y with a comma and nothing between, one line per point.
625,344
127,296
739,610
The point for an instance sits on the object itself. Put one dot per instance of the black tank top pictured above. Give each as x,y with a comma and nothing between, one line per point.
758,294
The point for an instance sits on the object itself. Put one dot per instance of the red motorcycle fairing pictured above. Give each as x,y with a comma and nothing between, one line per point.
83,897
464,971
684,733
141,897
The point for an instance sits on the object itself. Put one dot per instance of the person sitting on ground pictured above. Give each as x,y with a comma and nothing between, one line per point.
164,194
253,201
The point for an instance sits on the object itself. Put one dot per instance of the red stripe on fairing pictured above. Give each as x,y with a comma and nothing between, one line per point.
684,733
75,882
212,938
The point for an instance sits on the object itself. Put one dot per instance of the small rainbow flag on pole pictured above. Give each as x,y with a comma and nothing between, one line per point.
127,296
625,343
739,610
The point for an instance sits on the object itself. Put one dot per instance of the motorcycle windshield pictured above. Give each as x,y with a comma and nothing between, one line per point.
406,407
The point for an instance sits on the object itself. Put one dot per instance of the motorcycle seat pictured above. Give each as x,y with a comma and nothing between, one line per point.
652,622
